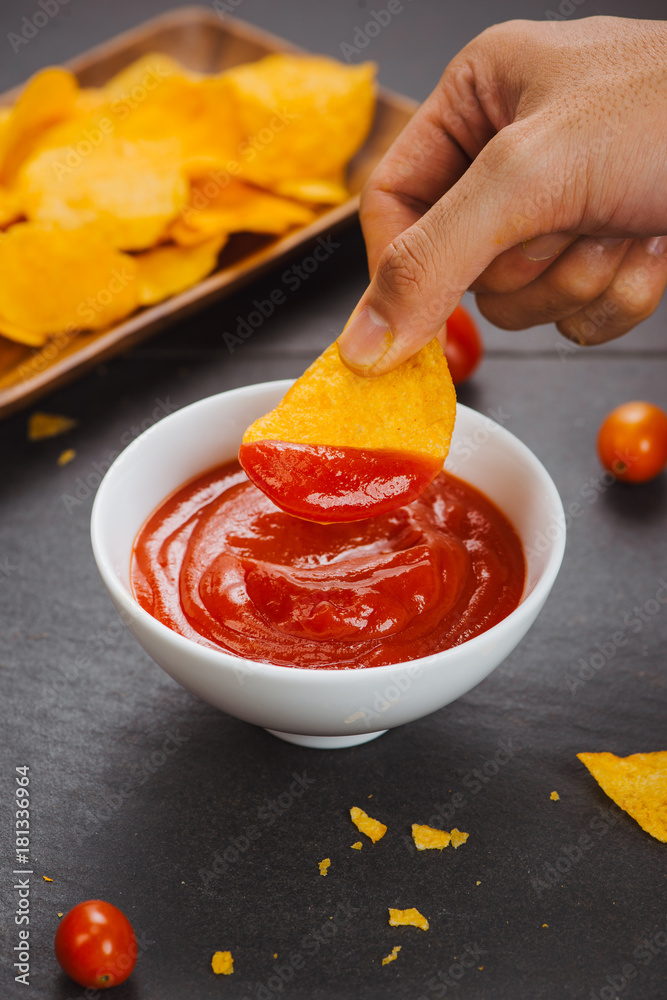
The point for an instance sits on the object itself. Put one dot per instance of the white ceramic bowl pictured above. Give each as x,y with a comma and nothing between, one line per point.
320,708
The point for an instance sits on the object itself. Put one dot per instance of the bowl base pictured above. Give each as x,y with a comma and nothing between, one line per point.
326,742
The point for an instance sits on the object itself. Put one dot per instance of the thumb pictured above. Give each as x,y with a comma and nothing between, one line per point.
424,271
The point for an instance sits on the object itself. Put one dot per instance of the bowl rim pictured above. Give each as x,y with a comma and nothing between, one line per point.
225,659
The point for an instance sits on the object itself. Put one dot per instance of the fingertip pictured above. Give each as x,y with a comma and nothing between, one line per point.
365,341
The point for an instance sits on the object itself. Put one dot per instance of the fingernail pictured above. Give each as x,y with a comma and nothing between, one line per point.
655,245
611,241
543,247
365,340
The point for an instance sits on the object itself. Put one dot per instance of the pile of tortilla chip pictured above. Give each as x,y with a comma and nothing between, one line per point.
117,197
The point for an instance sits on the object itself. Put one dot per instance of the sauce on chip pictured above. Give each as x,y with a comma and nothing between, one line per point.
342,447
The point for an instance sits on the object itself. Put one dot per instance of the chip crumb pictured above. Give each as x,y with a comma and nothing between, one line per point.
323,865
458,837
222,963
394,955
369,796
46,425
478,883
364,824
276,955
66,456
46,878
638,784
357,846
545,925
407,918
60,914
428,838
480,967
555,796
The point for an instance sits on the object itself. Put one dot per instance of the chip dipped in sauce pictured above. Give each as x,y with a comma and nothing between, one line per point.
342,447
220,563
326,483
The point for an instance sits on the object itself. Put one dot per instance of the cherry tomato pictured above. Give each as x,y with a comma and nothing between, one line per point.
632,441
464,348
95,945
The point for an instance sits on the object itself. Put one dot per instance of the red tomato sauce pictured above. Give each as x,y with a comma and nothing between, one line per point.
327,484
218,562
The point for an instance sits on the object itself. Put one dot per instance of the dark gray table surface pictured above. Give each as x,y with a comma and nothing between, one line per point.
137,787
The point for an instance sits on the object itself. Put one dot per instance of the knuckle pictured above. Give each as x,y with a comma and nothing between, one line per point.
637,299
576,286
498,310
403,268
513,148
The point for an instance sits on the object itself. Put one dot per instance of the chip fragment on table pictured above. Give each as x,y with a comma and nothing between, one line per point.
428,838
373,828
638,784
408,918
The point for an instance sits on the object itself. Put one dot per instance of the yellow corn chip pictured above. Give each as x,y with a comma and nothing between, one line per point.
129,191
458,838
323,865
428,838
357,846
393,956
66,456
235,207
638,784
22,336
167,270
407,918
411,408
142,78
83,283
222,963
318,192
304,117
46,425
554,796
364,824
199,114
49,97
10,207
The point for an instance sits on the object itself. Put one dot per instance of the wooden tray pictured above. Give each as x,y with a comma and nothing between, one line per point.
204,42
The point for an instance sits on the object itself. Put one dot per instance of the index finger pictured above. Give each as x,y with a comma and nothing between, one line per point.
432,152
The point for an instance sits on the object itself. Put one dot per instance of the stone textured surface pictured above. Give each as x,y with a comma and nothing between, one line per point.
141,794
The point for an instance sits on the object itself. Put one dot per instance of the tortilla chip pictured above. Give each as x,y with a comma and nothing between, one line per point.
458,838
143,76
47,425
428,838
235,207
638,784
22,336
393,956
48,97
83,283
11,208
304,116
364,824
323,865
222,963
130,191
410,409
167,270
65,457
407,918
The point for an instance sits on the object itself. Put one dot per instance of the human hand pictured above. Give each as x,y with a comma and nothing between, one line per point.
536,175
